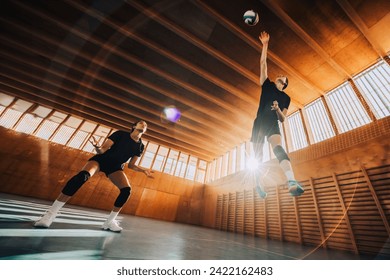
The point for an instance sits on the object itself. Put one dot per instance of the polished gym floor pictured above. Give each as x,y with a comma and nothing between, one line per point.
76,235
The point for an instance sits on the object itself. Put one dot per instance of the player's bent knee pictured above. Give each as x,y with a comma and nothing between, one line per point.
280,153
75,183
122,197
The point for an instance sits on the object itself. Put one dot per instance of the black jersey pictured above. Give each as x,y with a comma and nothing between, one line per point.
266,122
270,93
124,147
121,151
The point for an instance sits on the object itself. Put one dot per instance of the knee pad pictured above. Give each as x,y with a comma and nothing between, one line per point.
280,153
122,197
75,183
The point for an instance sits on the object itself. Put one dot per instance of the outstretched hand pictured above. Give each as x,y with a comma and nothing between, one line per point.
149,172
264,37
94,143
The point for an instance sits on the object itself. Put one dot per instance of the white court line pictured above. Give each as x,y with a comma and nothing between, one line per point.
10,217
9,232
67,255
39,207
62,213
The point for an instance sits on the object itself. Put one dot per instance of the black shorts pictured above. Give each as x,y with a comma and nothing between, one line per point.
261,129
106,165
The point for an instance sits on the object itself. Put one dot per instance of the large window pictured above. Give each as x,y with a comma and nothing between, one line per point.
297,131
30,121
191,168
225,163
160,158
149,154
46,130
233,160
181,166
66,130
71,131
171,162
82,134
201,174
319,121
14,112
97,136
374,84
348,112
242,152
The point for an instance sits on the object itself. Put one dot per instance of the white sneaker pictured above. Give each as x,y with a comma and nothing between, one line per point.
46,220
112,226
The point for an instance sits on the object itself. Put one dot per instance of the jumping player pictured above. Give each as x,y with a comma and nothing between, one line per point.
273,106
110,159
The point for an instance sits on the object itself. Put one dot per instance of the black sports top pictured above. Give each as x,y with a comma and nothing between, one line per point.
124,148
270,93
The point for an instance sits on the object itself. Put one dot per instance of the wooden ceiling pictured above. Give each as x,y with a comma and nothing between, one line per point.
114,62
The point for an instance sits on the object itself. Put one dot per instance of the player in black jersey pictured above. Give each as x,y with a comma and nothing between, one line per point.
274,103
110,159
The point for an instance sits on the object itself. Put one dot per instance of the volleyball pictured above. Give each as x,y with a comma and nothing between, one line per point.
170,114
251,17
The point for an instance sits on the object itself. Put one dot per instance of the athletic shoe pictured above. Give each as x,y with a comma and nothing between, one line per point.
46,220
112,226
261,193
295,188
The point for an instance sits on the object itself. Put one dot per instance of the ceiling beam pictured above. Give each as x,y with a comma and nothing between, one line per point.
257,46
196,128
110,110
164,52
155,15
112,48
359,23
279,12
20,90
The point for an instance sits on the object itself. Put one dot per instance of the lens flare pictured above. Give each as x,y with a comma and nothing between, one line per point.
252,163
170,114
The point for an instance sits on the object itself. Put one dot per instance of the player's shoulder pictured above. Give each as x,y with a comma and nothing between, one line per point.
267,81
120,133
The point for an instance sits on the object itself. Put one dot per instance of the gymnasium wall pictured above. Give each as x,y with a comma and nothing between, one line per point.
37,168
348,174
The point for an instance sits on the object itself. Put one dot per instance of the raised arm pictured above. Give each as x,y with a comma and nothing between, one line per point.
264,38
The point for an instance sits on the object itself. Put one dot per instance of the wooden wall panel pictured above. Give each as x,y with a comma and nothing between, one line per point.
248,212
218,217
338,212
37,168
288,217
165,211
273,218
342,207
310,220
240,212
260,213
231,212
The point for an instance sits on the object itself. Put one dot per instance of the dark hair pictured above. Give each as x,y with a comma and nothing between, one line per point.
134,124
285,84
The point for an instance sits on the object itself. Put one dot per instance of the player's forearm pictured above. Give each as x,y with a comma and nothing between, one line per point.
281,116
263,57
136,168
101,150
